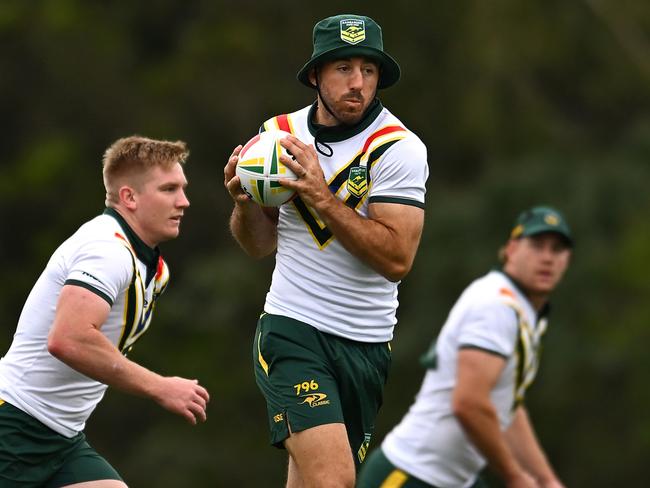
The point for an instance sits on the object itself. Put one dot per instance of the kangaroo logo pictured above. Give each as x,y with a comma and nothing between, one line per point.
358,181
353,31
315,399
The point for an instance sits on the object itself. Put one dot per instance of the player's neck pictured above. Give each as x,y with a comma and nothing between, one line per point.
135,226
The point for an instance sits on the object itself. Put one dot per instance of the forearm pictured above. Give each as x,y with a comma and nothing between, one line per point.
253,229
480,423
93,355
522,440
384,247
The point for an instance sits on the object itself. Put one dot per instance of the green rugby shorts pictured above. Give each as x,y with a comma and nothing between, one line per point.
310,378
378,471
33,455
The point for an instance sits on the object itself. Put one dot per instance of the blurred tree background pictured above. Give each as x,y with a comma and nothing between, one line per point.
519,103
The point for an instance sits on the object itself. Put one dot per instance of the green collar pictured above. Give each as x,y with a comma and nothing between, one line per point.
340,133
144,253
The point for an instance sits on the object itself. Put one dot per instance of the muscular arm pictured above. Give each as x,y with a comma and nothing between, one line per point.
253,227
478,372
522,440
386,241
76,339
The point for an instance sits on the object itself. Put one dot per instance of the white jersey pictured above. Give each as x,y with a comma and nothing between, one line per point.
107,258
493,315
316,280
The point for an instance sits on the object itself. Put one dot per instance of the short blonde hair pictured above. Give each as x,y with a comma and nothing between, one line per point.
132,156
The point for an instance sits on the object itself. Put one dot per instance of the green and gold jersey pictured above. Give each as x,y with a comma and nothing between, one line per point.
107,258
316,280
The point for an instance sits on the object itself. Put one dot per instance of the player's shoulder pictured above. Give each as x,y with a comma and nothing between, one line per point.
286,121
490,288
495,291
101,236
407,140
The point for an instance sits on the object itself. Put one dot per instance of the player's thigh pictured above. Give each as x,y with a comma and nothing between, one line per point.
30,452
84,467
361,371
295,377
294,480
322,456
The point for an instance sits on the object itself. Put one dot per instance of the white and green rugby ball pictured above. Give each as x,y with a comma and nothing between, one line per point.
259,169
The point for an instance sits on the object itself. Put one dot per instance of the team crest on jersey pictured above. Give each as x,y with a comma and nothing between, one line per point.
358,181
353,31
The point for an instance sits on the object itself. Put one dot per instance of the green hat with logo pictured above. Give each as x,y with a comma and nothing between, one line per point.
541,219
345,36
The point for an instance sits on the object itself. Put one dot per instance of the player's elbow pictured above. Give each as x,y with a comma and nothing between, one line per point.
257,251
464,407
396,270
58,347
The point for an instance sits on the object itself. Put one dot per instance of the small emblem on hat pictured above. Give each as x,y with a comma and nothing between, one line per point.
517,231
353,31
551,219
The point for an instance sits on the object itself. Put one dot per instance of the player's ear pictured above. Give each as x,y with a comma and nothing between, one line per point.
127,197
509,248
312,77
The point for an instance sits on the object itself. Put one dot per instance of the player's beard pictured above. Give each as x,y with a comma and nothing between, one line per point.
345,114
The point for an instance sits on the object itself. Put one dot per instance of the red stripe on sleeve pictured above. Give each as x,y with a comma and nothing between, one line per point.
381,132
283,122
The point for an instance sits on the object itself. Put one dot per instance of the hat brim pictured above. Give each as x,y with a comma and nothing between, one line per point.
390,70
541,229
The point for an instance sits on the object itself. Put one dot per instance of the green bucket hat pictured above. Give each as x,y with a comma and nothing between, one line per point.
348,35
541,219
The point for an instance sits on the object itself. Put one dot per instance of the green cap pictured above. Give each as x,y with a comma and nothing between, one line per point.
347,35
541,219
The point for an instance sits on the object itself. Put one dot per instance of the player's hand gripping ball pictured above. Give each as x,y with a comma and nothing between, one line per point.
259,169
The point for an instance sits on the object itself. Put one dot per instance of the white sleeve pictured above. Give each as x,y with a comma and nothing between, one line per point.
492,326
104,267
401,173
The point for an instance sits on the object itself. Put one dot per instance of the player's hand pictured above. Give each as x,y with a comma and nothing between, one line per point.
231,180
185,398
311,184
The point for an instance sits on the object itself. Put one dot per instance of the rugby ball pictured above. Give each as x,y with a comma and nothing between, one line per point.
259,169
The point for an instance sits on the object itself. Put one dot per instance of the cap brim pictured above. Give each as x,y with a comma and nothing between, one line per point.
541,229
390,70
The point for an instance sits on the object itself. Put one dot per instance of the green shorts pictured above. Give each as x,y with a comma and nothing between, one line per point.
33,455
379,471
310,378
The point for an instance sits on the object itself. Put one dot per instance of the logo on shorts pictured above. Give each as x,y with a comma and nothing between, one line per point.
353,31
363,450
315,400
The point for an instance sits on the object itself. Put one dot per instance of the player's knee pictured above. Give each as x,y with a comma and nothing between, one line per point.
342,478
